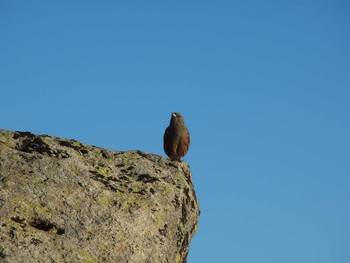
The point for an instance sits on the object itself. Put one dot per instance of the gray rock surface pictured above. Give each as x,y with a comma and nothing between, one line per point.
64,201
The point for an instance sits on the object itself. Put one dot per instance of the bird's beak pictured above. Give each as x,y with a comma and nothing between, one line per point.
174,115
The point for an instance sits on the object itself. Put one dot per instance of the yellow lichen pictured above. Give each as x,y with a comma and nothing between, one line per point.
178,258
87,258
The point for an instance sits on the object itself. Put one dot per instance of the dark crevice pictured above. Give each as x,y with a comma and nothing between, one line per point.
164,230
46,226
106,181
18,219
31,143
2,253
176,202
79,148
146,178
36,241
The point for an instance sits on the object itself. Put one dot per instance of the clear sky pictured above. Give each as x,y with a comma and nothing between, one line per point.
264,87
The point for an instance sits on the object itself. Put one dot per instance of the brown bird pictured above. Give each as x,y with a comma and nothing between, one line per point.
176,138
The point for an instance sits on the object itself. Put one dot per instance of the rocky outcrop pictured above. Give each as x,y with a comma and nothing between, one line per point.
64,201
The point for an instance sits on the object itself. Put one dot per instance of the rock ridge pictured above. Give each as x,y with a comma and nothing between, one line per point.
65,201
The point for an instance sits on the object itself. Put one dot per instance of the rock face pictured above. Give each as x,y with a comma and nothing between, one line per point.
64,201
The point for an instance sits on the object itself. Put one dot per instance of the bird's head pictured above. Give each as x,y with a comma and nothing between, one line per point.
176,119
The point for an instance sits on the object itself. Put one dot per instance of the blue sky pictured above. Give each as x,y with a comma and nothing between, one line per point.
264,87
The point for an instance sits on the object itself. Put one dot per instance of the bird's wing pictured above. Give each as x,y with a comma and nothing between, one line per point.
184,145
167,142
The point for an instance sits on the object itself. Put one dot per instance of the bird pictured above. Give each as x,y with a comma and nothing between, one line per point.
176,140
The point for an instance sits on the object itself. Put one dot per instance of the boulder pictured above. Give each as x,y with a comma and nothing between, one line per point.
65,201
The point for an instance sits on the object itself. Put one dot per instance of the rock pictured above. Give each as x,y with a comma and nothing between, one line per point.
65,201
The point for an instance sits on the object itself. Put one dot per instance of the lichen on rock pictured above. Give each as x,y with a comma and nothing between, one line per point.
65,201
